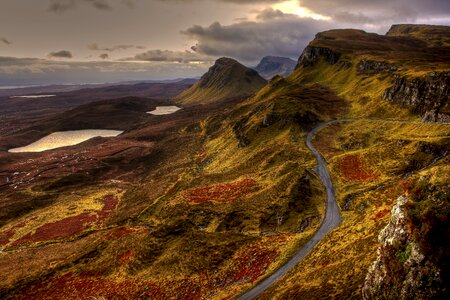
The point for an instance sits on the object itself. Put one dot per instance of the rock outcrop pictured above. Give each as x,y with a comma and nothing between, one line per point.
425,96
312,54
373,67
402,269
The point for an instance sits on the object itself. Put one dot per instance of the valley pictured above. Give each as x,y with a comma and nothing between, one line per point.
235,187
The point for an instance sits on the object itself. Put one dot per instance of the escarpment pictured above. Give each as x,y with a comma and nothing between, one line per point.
426,96
312,54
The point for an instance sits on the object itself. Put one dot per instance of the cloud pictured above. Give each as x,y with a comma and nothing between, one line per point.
232,1
170,56
61,6
96,47
5,41
60,54
104,56
43,71
277,34
270,13
378,12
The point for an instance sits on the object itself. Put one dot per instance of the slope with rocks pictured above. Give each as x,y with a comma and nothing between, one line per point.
270,66
407,68
411,261
374,162
201,203
206,202
226,79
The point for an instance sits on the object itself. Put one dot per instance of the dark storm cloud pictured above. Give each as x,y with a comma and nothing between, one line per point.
170,56
5,41
96,47
104,56
60,54
284,35
60,6
369,11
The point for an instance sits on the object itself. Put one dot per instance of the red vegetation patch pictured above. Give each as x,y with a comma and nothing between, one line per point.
70,226
222,193
109,205
70,286
120,232
249,265
5,236
252,264
126,257
354,169
60,229
380,214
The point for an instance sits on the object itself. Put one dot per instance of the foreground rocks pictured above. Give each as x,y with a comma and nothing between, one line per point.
402,269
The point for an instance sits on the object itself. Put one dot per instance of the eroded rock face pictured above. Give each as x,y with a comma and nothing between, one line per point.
426,96
373,67
312,54
401,270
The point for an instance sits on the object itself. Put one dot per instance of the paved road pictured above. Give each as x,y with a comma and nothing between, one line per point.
331,220
332,216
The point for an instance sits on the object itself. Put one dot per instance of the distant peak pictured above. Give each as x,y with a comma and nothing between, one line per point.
270,66
227,78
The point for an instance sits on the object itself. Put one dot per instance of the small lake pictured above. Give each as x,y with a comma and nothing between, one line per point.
65,138
164,110
33,96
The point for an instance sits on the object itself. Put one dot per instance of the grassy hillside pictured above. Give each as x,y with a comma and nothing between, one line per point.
372,163
208,201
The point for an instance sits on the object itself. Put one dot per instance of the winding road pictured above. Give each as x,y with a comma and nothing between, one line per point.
332,215
331,220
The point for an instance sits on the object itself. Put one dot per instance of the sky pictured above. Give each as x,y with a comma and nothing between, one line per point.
94,41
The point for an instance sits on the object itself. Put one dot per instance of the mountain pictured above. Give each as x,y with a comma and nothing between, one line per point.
385,164
415,66
226,79
210,200
270,66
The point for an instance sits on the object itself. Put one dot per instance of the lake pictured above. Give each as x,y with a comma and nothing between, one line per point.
164,110
65,138
33,96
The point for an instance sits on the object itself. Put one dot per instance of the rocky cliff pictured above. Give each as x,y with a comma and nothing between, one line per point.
405,268
312,54
426,96
422,87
